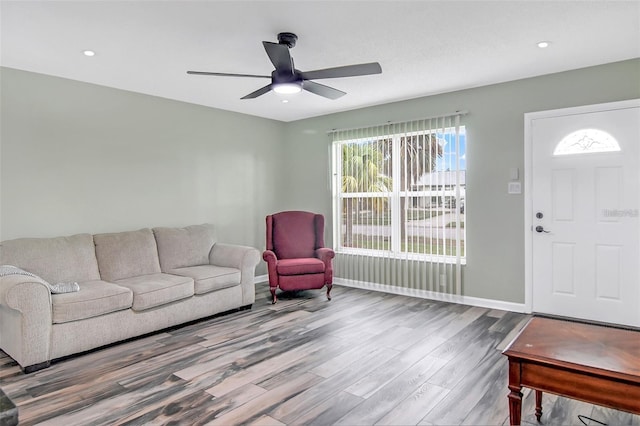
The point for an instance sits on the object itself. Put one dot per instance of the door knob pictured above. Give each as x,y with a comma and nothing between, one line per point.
541,229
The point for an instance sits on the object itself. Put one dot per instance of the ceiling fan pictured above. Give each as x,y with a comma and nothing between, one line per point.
287,79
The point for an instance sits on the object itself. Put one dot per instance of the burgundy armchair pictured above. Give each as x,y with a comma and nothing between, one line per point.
295,255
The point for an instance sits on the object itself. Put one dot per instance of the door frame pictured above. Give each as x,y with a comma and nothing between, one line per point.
528,179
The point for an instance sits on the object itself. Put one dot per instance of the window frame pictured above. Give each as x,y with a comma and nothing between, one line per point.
395,196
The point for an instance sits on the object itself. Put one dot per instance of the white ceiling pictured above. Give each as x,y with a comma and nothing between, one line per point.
424,47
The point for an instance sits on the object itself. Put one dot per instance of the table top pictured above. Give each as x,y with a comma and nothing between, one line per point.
609,351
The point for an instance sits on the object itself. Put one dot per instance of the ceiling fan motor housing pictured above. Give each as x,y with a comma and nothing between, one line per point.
288,39
285,77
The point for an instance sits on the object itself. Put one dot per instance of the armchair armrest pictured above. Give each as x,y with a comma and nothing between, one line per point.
326,255
272,260
26,320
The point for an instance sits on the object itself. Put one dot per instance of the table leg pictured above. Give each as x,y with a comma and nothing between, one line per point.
515,396
515,406
538,404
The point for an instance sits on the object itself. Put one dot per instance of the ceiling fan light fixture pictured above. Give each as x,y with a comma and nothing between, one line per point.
287,88
286,80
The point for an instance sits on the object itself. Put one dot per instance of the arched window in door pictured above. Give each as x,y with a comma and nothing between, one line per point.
586,141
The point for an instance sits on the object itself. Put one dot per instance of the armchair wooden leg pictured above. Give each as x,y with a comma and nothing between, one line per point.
329,287
274,299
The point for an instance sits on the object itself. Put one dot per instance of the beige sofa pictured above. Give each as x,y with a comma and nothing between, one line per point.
131,283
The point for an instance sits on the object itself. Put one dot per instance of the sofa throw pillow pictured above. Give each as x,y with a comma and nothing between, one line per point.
58,288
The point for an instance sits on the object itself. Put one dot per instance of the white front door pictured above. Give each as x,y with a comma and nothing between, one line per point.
585,233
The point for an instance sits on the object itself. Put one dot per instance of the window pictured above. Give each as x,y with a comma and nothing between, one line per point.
399,190
586,141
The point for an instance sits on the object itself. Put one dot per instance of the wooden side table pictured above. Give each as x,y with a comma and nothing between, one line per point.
591,363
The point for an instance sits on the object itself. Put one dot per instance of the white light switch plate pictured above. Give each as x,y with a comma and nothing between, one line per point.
514,188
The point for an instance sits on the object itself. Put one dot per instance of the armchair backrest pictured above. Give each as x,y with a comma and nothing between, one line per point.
295,234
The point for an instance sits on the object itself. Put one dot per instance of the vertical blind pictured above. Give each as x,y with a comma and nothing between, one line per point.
399,203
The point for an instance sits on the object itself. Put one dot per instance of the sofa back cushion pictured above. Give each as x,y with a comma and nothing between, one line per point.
126,254
182,247
59,259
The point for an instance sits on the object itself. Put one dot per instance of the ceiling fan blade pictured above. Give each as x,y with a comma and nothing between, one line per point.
280,56
345,71
322,90
261,91
224,74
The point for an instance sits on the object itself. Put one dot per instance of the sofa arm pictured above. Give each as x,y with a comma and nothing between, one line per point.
241,257
26,321
234,256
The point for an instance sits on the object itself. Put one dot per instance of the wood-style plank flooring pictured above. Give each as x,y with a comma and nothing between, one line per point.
363,358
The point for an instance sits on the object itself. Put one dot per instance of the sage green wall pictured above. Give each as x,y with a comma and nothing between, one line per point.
78,157
495,134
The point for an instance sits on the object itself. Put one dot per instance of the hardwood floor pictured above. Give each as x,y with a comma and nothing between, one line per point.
364,358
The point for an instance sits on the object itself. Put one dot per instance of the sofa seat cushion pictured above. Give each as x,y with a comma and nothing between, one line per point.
95,298
154,290
306,265
209,277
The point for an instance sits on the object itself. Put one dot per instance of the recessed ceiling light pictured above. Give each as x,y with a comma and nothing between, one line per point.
543,44
285,101
88,53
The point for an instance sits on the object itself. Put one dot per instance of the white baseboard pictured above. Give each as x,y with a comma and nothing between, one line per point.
433,295
423,294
